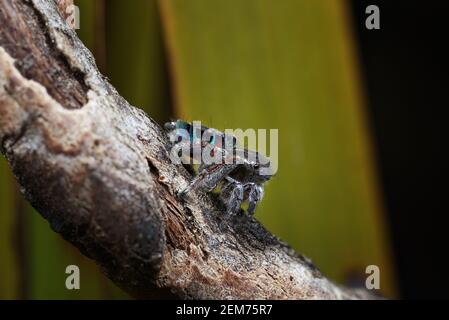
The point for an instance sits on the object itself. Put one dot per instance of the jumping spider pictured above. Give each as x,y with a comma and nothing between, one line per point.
239,177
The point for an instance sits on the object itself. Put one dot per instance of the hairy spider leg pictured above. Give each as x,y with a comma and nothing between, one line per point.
232,195
255,195
210,176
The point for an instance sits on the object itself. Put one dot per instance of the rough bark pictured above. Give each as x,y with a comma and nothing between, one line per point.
98,170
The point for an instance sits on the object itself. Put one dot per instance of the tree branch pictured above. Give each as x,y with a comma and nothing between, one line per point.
98,170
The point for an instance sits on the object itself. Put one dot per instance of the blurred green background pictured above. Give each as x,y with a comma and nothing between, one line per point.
289,65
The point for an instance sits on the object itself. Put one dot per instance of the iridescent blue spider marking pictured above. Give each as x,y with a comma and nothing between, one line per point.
239,179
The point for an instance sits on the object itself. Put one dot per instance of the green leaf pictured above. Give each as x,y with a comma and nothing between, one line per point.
87,31
135,55
9,277
289,65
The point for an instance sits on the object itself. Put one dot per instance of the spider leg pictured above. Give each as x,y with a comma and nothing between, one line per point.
232,195
255,195
202,167
210,176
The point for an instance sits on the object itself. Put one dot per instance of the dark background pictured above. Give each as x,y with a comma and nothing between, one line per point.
406,78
